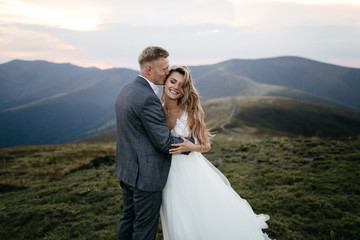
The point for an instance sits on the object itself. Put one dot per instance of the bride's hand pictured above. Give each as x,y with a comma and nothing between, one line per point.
186,146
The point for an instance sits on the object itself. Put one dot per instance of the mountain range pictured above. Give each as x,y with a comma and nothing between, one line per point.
48,103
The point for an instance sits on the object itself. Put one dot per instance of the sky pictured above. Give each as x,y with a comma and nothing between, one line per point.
112,33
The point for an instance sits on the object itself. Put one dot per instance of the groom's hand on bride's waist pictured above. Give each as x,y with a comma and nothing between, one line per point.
181,145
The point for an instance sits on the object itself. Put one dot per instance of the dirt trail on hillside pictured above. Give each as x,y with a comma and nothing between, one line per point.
228,119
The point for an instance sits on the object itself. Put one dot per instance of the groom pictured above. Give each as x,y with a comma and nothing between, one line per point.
142,150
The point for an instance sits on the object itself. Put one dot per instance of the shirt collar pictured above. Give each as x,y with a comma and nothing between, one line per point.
152,85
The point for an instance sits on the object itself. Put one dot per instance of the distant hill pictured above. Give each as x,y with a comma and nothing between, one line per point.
291,77
270,116
47,103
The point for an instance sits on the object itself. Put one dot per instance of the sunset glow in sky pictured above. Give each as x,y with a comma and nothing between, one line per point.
111,33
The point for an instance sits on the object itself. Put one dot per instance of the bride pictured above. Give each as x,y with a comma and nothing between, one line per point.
198,201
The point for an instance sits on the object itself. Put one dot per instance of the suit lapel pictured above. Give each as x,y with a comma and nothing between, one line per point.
143,82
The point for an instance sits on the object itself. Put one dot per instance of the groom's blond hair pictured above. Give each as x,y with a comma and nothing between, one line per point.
150,54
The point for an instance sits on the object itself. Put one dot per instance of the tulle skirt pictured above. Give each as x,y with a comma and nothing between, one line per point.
199,204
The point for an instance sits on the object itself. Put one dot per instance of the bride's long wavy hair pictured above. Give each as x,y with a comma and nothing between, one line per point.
190,102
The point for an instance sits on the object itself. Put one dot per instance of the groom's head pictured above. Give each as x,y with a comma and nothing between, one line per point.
154,64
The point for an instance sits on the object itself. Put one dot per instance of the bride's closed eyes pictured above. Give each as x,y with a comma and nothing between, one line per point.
174,81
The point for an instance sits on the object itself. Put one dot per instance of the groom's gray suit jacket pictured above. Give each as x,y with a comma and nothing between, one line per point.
143,138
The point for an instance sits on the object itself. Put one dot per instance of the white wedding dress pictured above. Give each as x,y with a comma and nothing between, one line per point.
199,203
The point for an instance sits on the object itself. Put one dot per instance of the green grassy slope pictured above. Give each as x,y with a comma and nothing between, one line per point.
270,116
310,187
71,192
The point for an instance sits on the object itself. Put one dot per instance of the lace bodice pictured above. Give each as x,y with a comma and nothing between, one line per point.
181,127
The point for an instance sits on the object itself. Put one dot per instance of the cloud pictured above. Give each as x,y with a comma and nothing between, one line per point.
19,38
19,43
167,13
312,2
63,14
111,33
285,13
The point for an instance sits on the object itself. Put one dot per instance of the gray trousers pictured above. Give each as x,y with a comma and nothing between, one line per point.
140,214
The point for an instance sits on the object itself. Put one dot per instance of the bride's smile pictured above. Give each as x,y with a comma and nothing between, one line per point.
173,86
173,92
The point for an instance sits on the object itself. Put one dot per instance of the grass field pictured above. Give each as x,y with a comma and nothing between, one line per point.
310,187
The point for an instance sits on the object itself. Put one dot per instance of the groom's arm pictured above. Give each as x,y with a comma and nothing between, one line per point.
153,119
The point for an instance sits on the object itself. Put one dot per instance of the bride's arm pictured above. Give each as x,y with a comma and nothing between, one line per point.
202,147
188,146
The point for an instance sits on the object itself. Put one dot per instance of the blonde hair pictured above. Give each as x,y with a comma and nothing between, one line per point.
190,102
151,53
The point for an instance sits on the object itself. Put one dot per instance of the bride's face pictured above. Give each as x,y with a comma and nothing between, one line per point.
173,86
